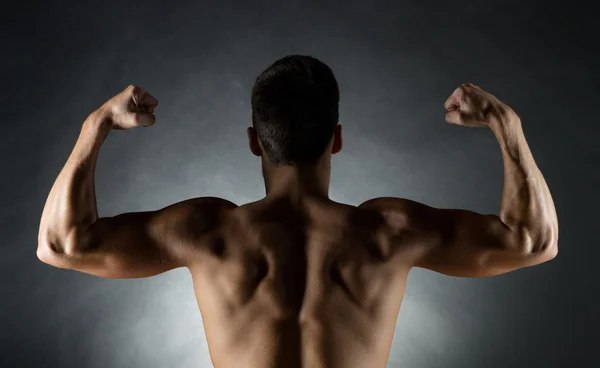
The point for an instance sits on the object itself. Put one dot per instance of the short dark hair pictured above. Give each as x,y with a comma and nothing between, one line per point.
295,109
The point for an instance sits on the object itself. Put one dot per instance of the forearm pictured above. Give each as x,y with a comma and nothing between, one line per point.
71,204
527,207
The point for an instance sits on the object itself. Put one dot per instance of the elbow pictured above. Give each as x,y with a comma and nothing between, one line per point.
45,251
553,251
547,252
51,250
549,246
54,255
539,243
545,245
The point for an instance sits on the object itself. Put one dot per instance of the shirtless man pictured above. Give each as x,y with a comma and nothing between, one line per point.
296,279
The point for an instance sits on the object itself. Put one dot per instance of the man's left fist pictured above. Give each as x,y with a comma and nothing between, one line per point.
131,108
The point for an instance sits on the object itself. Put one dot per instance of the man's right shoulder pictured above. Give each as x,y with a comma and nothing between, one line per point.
386,204
209,203
395,212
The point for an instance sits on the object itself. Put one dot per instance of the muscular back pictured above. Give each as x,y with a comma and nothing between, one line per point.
303,283
310,285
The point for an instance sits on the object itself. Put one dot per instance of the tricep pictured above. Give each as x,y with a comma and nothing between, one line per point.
462,243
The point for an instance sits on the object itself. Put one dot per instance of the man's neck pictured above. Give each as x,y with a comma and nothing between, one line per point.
297,183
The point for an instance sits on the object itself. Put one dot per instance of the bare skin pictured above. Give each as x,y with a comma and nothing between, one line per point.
296,279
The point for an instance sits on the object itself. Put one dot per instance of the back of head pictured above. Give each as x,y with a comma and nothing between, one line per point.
295,109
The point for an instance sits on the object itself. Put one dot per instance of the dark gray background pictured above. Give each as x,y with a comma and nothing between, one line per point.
396,63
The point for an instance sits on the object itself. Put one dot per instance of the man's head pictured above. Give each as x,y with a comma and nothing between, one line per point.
295,112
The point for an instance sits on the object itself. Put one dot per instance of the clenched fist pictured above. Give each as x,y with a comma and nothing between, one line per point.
131,108
469,105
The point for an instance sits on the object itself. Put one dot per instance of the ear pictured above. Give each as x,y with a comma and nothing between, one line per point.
253,142
337,140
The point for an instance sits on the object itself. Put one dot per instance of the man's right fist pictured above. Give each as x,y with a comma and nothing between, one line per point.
131,108
469,105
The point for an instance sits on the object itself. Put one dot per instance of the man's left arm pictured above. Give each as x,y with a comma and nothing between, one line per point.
71,235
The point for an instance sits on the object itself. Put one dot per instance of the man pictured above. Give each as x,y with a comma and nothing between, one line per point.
296,279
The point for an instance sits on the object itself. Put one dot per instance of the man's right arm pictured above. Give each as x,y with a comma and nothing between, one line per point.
468,244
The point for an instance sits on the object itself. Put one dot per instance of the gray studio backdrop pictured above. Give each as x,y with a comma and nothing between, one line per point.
396,63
